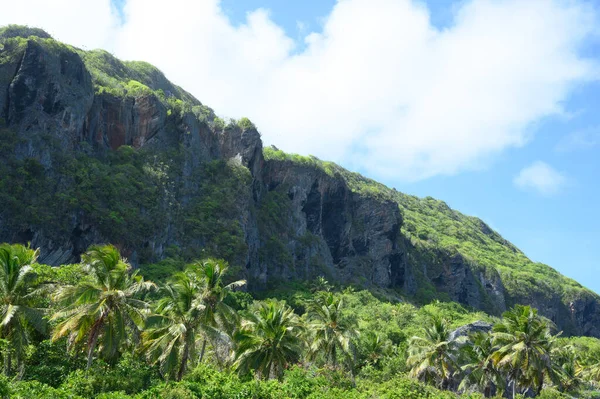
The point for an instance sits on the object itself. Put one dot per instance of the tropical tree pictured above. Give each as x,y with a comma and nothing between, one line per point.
480,372
19,307
269,339
589,368
524,343
172,334
103,307
217,314
374,347
567,374
433,357
331,334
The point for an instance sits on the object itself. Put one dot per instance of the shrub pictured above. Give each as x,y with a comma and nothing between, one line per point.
245,124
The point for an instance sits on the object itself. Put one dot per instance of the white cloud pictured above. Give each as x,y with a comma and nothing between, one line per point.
541,177
379,88
82,23
584,139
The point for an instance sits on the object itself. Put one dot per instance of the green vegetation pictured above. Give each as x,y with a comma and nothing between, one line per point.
103,308
433,357
268,340
19,312
110,76
123,79
332,335
128,195
212,218
13,31
99,330
272,154
245,124
128,340
431,225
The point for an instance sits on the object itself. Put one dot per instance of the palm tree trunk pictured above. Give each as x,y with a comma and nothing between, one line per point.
334,357
184,360
540,385
20,368
7,363
514,387
93,340
203,349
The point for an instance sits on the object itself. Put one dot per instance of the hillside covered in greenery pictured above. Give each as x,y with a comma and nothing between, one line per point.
235,270
430,223
98,330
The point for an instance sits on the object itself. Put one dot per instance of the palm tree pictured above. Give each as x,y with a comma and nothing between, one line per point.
105,306
375,347
216,312
171,335
433,357
331,333
524,344
589,369
19,311
567,372
480,372
268,340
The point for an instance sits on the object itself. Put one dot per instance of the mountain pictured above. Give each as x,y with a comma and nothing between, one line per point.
97,150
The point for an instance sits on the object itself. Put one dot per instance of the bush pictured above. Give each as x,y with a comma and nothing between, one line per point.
245,124
129,376
4,387
37,390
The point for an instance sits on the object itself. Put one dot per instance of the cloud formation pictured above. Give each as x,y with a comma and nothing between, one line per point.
378,89
584,139
540,177
81,23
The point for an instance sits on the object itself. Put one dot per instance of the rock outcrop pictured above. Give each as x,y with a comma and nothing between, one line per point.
210,188
468,329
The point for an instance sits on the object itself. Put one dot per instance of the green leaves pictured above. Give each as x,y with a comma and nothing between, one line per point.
331,333
19,298
268,340
104,308
434,357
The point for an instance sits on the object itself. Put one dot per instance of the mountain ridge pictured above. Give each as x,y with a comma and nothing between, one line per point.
100,150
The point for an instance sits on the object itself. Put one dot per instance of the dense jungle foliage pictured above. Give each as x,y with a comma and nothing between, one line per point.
98,329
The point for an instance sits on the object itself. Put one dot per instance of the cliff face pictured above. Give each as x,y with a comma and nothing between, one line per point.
143,165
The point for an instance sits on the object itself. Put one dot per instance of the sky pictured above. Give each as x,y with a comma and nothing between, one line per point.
490,105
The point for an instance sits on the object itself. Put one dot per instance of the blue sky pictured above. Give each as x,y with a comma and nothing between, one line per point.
490,105
561,230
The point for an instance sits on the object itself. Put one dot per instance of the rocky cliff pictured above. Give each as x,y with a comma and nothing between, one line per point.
99,150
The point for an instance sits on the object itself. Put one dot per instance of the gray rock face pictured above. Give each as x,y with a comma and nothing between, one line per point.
298,221
467,329
49,95
333,231
464,284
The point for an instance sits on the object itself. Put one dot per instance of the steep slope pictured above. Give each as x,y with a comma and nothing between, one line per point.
100,150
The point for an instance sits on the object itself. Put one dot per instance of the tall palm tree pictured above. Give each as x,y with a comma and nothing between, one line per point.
216,314
19,311
433,357
104,307
268,340
479,370
331,333
171,335
524,344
